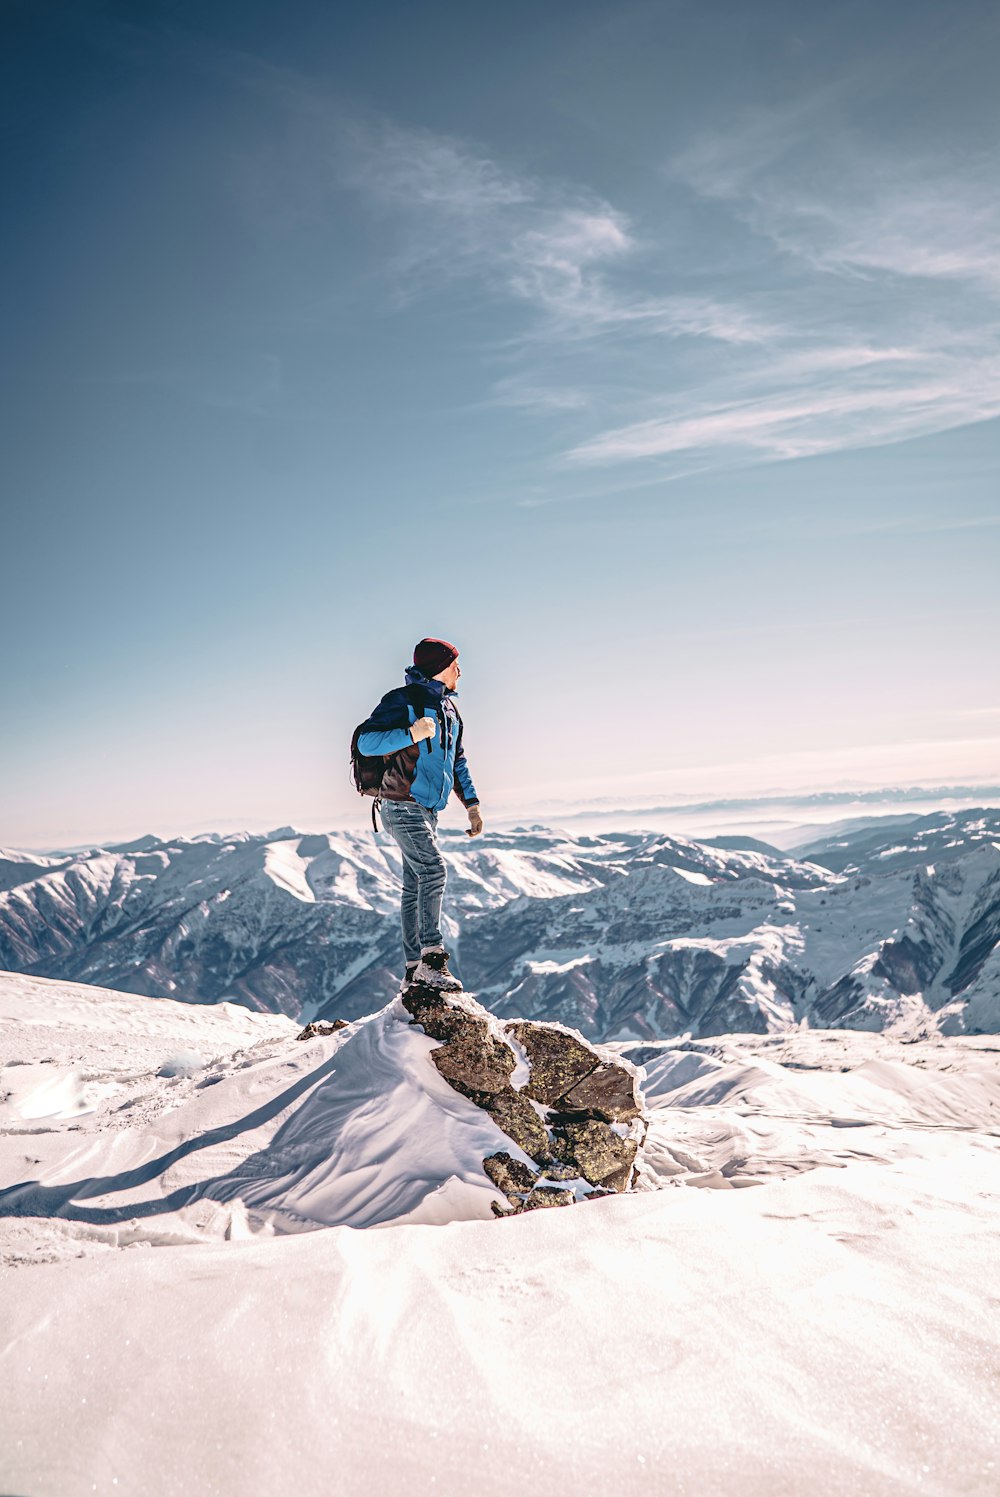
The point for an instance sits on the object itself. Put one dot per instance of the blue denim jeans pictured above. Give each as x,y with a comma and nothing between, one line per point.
415,829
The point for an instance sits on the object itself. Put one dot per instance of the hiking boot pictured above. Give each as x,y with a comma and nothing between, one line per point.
432,972
408,976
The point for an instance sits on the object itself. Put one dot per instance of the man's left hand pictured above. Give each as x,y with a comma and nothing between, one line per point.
475,822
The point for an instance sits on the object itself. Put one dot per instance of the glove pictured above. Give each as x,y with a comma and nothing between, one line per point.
424,727
475,822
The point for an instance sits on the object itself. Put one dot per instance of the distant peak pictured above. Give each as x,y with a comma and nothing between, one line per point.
138,844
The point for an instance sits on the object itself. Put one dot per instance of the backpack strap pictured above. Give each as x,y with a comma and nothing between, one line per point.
441,718
415,697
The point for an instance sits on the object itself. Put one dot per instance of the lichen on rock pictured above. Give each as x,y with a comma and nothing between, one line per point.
472,1058
515,1115
558,1061
547,1195
475,1063
508,1174
602,1156
608,1092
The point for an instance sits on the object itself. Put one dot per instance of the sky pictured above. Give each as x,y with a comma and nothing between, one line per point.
647,352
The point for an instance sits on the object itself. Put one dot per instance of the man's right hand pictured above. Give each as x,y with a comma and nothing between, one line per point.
424,727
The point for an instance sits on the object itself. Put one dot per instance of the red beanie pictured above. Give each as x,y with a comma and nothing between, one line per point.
432,656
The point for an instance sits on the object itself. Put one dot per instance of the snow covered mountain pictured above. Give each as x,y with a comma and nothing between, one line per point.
708,941
630,936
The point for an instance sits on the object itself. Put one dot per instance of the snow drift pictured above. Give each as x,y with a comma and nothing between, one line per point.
358,1128
826,1328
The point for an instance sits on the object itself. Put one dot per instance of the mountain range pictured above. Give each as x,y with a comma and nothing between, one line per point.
630,936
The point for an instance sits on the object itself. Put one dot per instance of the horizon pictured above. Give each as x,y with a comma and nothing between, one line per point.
649,355
806,818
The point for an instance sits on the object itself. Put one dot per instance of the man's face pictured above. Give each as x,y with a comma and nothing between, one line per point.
451,675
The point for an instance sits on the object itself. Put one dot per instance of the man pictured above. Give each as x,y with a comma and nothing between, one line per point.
418,730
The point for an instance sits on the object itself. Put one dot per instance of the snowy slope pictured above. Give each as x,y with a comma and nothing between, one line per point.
239,1128
900,841
636,936
826,1328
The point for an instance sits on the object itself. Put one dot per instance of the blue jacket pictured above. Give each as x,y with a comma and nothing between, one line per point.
427,771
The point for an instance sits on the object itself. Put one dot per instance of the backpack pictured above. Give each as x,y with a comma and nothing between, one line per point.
367,770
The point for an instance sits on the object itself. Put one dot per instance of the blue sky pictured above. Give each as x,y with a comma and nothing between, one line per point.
648,352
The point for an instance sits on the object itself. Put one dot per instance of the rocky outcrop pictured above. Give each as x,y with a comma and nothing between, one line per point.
576,1115
317,1029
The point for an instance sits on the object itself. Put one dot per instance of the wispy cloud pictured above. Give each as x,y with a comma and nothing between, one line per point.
859,304
554,247
877,322
522,393
830,197
899,260
825,418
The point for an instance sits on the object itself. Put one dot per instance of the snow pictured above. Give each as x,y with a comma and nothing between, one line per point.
541,878
37,1092
551,966
828,1327
691,876
356,1129
283,865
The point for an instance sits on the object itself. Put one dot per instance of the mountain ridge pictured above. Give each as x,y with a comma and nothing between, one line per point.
627,936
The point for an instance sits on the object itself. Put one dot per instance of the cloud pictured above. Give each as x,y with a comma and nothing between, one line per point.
874,321
521,394
857,301
417,169
825,418
828,197
899,259
553,247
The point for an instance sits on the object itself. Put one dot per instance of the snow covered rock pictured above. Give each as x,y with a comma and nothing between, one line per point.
557,1061
318,1030
603,1157
472,1058
577,1114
